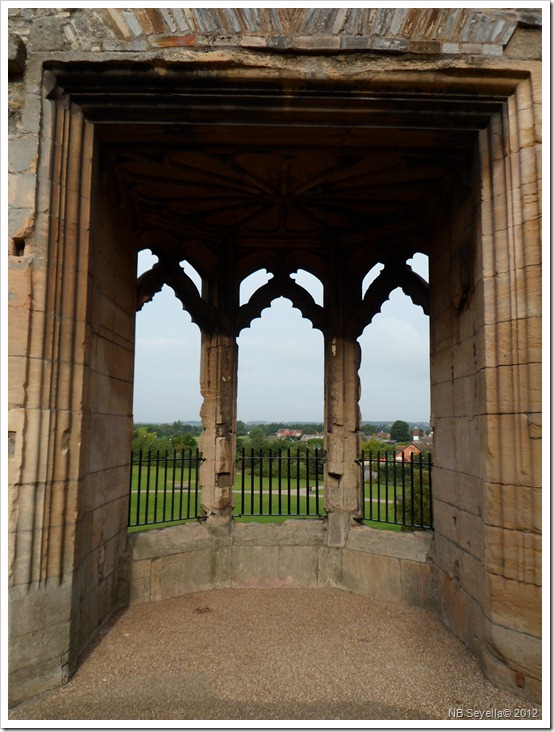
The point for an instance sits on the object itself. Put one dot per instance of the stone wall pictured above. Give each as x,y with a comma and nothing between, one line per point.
107,423
386,565
486,393
455,404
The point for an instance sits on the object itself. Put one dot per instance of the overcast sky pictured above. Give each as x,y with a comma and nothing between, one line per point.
281,360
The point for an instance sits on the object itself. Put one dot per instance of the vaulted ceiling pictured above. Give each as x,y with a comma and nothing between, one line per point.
270,168
235,175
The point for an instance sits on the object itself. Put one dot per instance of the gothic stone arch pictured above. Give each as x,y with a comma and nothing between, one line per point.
433,150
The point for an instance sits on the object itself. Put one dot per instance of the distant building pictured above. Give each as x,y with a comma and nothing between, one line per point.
314,436
286,434
406,451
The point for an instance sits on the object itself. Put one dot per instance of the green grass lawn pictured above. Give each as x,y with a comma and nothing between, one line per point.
164,503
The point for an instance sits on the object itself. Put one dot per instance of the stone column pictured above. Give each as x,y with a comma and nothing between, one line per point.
48,334
342,440
218,384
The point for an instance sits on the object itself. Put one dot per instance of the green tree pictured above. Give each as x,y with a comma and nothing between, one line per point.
400,431
182,441
376,446
143,440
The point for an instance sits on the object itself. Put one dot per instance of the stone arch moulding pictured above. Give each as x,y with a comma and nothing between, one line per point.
402,275
281,286
70,549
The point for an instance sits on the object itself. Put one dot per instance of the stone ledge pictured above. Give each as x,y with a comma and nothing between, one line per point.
400,545
287,533
171,540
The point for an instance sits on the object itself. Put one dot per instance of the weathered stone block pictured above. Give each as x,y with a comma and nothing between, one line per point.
337,528
355,43
52,605
514,554
179,574
256,566
392,45
25,683
447,555
410,580
501,462
514,388
299,532
17,55
506,677
514,342
171,540
516,650
514,605
472,576
514,507
47,34
446,520
402,545
373,575
525,44
297,566
21,190
470,534
329,568
23,155
315,43
139,582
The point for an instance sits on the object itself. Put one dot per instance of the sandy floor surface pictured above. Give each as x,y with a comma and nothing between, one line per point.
280,654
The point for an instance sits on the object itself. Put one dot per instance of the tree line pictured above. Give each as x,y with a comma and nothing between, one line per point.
180,435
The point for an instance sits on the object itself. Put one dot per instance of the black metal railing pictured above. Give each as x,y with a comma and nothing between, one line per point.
397,490
164,487
283,482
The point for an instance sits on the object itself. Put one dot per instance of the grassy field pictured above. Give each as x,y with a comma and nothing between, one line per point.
163,502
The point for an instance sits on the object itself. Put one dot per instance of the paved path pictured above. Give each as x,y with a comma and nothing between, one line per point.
272,654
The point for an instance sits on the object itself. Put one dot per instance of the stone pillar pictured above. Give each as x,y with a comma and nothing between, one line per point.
218,384
510,282
48,295
342,440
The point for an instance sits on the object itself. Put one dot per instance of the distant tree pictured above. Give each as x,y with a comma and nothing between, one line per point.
182,441
241,428
376,446
400,431
144,440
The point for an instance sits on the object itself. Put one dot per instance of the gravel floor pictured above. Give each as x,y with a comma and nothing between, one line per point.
272,654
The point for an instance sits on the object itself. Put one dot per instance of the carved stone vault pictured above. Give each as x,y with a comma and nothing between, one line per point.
240,140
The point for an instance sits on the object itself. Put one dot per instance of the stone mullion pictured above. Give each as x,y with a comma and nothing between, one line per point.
342,412
218,386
